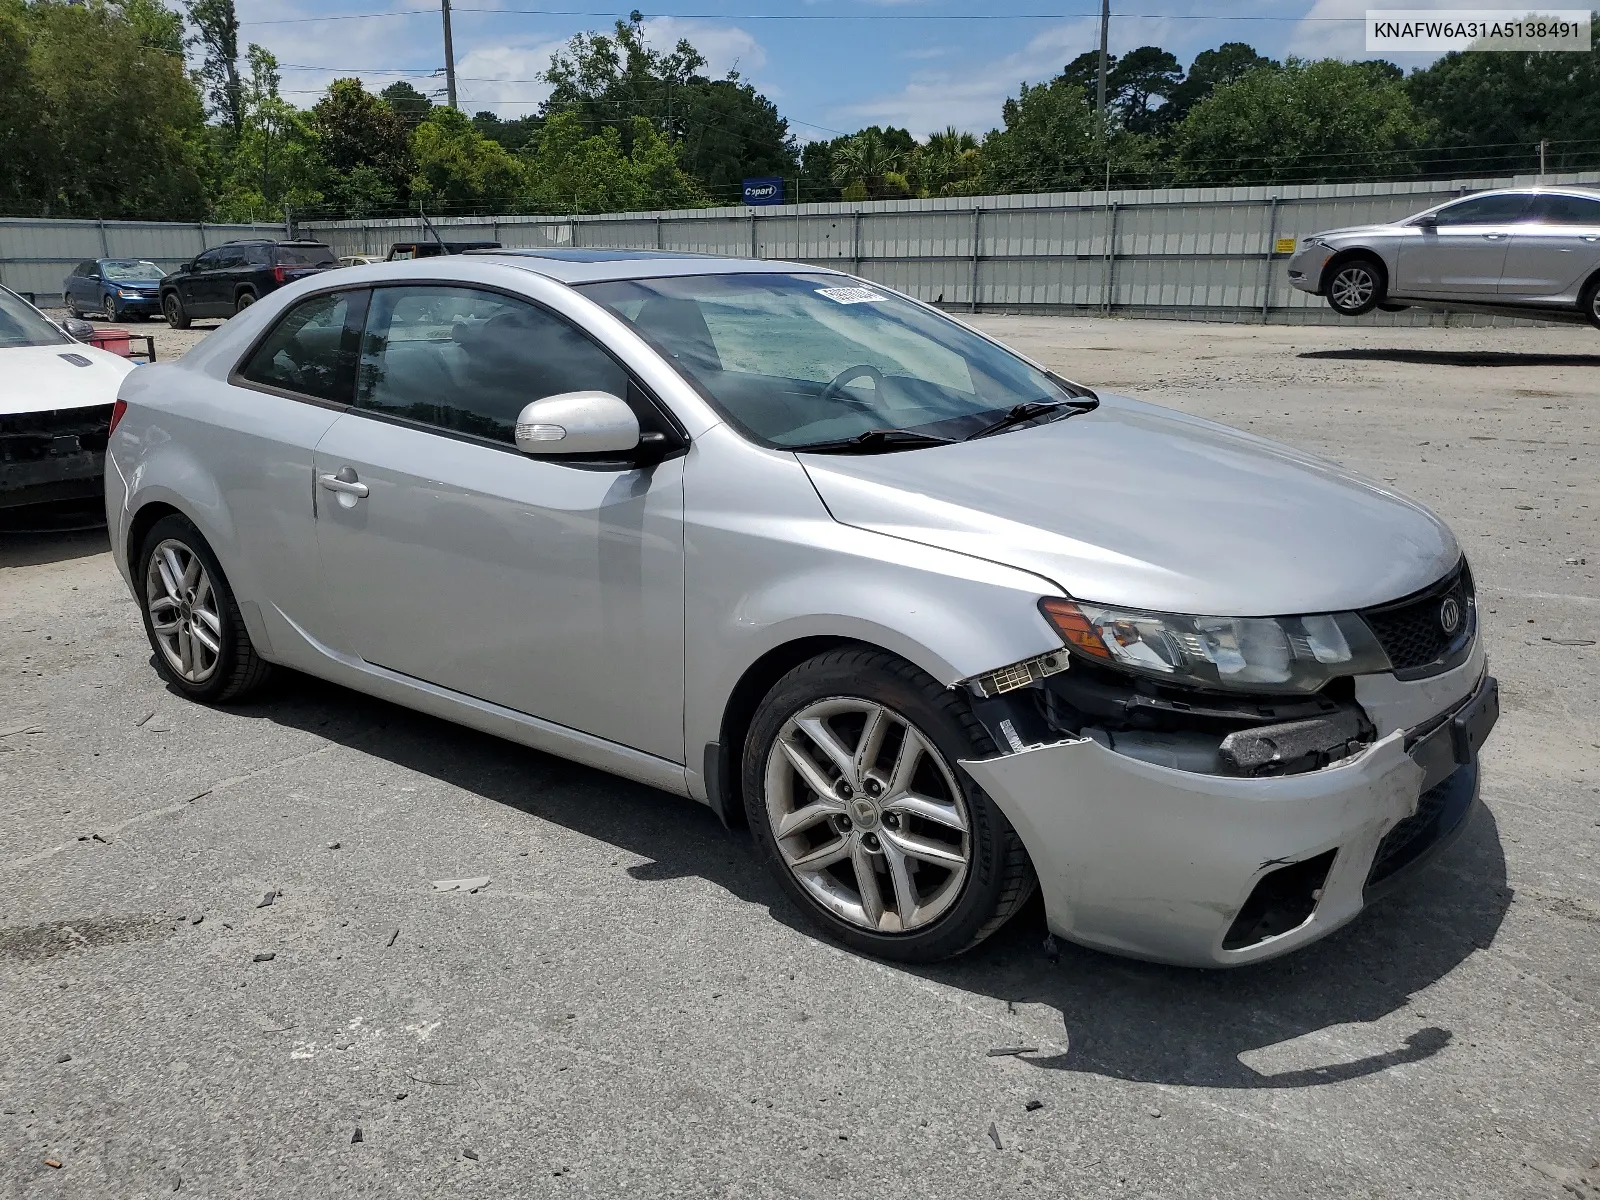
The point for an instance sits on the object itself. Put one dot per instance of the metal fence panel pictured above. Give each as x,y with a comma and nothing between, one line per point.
35,255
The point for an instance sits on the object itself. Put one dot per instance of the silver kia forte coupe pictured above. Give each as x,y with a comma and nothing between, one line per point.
938,625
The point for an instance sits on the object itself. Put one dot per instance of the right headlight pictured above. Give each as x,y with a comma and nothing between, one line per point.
1255,654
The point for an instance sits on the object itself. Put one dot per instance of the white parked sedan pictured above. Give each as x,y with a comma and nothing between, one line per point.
939,625
55,408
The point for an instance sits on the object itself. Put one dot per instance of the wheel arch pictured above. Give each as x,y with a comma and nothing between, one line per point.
1587,293
1344,256
144,520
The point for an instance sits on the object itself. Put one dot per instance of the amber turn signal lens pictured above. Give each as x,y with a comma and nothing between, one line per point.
1074,627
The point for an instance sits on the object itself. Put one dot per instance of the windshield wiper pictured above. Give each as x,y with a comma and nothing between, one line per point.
1028,410
874,441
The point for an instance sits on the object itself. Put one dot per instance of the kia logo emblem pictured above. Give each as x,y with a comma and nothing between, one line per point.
1450,614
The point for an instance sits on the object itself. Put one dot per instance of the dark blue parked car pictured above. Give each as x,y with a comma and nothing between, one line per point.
118,287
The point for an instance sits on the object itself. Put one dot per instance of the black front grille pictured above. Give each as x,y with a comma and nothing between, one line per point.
36,436
1412,632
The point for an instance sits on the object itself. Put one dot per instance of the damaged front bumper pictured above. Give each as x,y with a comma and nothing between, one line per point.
1211,870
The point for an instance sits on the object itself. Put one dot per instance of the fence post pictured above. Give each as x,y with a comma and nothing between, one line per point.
1108,273
857,240
574,224
658,233
977,217
753,253
1266,259
105,246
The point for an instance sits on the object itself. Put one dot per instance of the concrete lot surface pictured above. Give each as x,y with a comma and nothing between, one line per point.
632,1008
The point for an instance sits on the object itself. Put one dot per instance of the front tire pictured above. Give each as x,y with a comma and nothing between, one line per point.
858,806
172,308
201,645
1591,302
112,312
1356,286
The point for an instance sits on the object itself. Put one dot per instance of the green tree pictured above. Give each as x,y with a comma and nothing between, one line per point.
1302,122
514,134
1209,71
1052,142
573,171
113,124
276,168
949,163
1492,110
411,105
1142,75
868,167
366,147
216,27
458,168
728,131
25,152
157,25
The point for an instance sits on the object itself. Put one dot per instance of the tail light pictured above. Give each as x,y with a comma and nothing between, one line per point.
278,275
117,409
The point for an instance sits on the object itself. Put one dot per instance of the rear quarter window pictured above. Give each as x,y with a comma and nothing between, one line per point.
312,349
306,256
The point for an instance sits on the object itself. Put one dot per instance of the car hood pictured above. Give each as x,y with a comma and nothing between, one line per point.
38,379
1141,506
1349,230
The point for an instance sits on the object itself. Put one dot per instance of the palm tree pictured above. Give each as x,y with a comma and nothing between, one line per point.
864,159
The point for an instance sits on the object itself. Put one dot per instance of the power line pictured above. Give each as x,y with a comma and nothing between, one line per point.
750,16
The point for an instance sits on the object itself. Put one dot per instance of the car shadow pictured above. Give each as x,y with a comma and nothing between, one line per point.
25,547
1455,358
1118,1018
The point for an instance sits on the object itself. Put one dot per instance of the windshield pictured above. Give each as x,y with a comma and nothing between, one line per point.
21,324
793,360
306,256
140,270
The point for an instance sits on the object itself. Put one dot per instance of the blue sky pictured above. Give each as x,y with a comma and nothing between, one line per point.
842,65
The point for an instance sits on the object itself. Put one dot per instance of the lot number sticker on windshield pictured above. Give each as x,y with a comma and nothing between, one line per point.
852,295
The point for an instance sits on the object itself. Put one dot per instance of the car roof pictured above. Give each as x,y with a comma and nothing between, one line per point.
575,264
1560,189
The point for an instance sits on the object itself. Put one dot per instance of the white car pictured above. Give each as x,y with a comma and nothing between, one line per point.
357,260
55,408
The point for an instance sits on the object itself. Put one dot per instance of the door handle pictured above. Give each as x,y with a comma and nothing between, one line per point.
345,483
1495,237
1591,237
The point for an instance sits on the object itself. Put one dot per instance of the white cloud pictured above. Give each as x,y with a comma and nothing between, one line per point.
726,47
504,79
1336,29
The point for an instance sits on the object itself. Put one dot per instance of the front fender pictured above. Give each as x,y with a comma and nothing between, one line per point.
765,574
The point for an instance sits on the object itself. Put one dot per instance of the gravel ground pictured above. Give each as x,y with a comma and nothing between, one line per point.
631,1007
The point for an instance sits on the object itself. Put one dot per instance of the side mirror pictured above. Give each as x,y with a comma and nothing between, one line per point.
77,329
94,274
577,423
1428,222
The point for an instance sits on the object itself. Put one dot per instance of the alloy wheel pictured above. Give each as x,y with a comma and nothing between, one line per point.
1352,287
183,611
868,815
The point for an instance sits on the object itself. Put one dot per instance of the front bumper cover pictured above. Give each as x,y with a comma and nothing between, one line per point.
1157,863
1305,268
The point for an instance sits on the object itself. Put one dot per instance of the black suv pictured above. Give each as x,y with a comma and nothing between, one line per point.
230,278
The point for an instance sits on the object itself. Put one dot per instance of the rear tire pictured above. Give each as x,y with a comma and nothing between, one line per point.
1356,286
243,301
201,645
943,870
73,310
172,308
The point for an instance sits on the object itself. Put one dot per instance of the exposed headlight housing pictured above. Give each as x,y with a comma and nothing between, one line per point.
1253,654
1315,239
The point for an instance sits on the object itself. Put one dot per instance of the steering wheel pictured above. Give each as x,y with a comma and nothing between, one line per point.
835,389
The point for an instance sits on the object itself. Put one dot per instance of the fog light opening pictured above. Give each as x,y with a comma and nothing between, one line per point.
1281,901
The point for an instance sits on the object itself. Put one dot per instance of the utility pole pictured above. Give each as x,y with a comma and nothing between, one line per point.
1105,30
450,57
